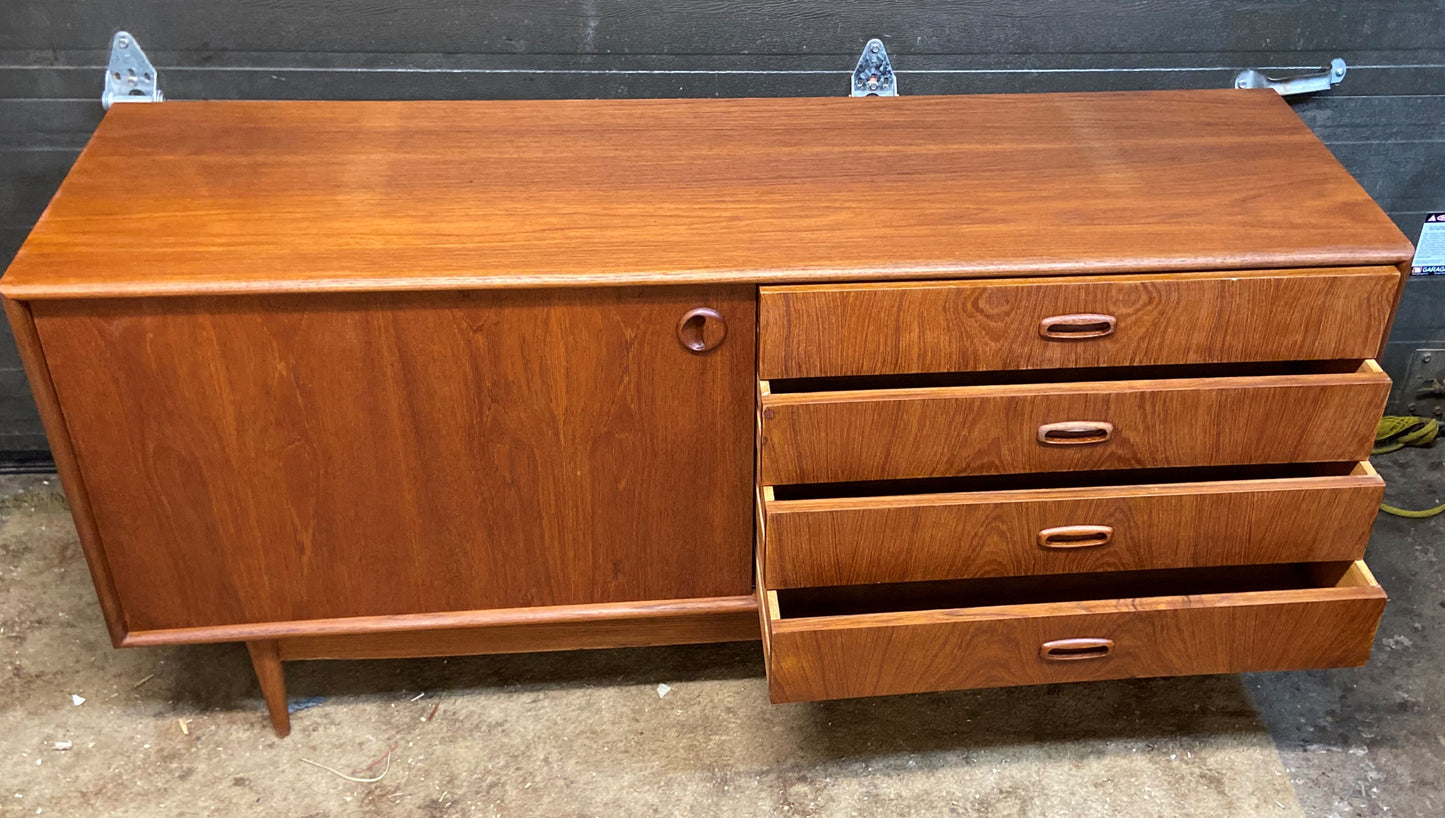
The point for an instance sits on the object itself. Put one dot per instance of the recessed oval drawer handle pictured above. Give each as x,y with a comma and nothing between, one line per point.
1075,432
1077,327
1074,650
702,329
1076,536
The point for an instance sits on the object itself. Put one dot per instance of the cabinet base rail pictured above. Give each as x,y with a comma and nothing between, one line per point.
513,630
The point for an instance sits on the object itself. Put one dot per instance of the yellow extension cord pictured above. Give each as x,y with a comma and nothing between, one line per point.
1396,432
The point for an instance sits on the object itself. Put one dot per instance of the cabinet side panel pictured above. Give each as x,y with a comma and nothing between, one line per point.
37,372
285,458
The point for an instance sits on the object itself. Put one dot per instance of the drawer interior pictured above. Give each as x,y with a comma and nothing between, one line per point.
1035,481
933,380
992,592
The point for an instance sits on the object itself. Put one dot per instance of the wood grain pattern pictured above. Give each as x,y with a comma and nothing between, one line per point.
278,459
298,448
709,619
247,197
966,326
266,661
72,480
881,434
857,540
569,627
908,652
1195,29
1404,268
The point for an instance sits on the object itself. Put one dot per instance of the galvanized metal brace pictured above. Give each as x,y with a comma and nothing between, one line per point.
874,75
1322,80
129,77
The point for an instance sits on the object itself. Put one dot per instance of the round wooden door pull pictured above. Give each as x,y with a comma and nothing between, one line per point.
702,329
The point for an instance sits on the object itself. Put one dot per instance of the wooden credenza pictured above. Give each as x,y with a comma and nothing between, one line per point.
937,392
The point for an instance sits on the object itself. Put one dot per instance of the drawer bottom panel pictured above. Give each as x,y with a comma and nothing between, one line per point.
847,642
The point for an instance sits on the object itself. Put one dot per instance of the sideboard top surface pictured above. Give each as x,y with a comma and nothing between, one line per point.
243,197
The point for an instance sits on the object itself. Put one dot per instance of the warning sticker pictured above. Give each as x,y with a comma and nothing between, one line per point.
1430,249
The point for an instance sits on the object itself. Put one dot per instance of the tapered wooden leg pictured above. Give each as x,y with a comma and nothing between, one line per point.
266,659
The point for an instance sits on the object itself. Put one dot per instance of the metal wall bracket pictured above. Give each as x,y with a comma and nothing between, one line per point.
874,75
1424,389
1322,80
129,77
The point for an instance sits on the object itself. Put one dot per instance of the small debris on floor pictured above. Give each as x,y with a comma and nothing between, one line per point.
63,745
384,757
663,690
305,704
77,700
339,773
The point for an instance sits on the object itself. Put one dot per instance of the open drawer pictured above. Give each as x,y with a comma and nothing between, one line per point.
841,642
1056,523
1122,419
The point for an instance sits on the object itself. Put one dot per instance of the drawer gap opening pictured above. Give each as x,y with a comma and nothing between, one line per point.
801,603
926,380
1059,480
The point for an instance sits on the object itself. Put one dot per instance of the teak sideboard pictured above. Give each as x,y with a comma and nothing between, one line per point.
929,393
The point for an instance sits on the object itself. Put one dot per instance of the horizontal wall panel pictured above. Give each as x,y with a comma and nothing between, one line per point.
1420,324
1402,176
732,26
403,83
19,448
1341,116
20,429
611,77
223,58
1410,224
47,123
1420,313
10,239
9,360
28,178
17,409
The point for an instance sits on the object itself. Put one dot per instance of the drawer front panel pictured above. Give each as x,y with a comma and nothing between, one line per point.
934,432
854,541
1041,323
891,653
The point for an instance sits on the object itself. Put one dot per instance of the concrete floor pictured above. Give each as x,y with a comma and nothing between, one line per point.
588,733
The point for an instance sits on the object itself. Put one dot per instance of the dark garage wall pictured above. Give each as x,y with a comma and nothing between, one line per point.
1386,122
